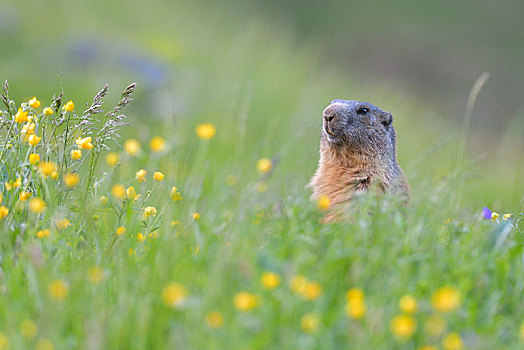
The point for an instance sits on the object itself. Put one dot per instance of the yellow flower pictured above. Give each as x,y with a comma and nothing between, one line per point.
34,103
245,301
157,144
435,325
270,280
174,194
44,344
76,154
311,291
84,143
446,299
71,180
4,343
158,176
62,224
48,111
140,237
28,129
264,165
34,158
47,168
309,323
21,116
297,283
112,159
196,216
507,216
131,194
214,319
408,304
28,329
356,308
118,191
17,182
121,230
69,106
205,131
403,326
355,294
323,203
25,195
141,175
43,233
103,200
36,205
149,212
3,212
452,341
33,140
174,294
132,147
494,216
57,289
95,274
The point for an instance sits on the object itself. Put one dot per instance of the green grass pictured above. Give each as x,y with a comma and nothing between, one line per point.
264,94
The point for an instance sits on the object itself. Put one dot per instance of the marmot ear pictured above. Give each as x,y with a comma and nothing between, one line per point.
386,119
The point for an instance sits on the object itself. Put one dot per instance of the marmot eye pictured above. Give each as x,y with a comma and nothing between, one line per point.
362,110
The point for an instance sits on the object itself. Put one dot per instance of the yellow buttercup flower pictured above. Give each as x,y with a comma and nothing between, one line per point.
37,205
205,131
34,103
149,212
452,341
28,329
140,237
118,191
435,325
131,194
507,216
47,168
323,203
43,233
57,289
157,144
76,154
103,200
132,147
311,291
309,323
403,326
141,175
21,116
71,180
34,158
112,159
245,301
408,304
84,143
62,224
54,175
24,195
95,274
174,194
48,111
120,231
158,176
196,216
356,308
264,165
69,106
28,129
214,319
446,299
355,294
33,140
174,294
270,280
3,212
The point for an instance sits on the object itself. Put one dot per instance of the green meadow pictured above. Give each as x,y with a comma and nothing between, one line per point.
173,213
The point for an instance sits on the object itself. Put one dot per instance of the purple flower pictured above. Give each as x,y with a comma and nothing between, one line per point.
486,213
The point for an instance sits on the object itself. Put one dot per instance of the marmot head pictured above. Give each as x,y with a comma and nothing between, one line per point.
358,126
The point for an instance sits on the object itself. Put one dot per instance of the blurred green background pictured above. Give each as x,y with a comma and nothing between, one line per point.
266,69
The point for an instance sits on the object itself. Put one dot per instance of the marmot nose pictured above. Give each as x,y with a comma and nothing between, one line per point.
329,117
330,112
